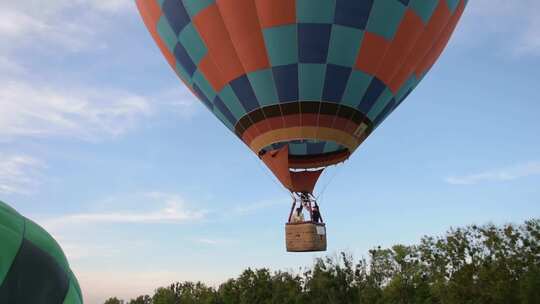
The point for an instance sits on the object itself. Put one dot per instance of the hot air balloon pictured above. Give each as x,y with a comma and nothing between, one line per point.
301,82
33,268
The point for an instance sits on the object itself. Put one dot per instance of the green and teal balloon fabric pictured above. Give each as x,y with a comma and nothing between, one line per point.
33,267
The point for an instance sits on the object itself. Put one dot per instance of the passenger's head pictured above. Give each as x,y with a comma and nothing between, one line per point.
299,210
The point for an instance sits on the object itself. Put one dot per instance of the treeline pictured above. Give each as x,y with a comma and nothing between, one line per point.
475,264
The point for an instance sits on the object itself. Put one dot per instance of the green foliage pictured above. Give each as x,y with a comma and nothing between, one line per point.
146,299
114,300
164,296
471,265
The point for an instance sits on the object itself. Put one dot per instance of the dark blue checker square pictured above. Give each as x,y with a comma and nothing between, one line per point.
224,110
176,14
353,13
203,97
335,82
375,89
243,90
385,112
313,41
183,57
404,96
286,80
315,148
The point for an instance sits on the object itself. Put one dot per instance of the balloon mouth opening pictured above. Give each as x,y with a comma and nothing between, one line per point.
307,154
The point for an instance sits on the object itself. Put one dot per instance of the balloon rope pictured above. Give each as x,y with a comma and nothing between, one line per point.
336,171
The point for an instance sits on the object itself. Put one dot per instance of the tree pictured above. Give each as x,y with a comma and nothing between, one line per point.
165,296
475,264
114,300
141,300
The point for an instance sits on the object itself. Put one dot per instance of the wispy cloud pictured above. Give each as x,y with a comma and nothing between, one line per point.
18,173
69,25
33,106
214,241
511,25
173,210
44,110
113,6
179,100
9,67
498,175
82,249
170,209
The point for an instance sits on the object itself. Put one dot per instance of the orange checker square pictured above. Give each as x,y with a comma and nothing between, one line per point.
150,12
406,36
435,25
165,50
439,46
371,53
210,26
276,12
240,18
211,73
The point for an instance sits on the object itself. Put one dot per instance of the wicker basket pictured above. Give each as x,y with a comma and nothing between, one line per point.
304,237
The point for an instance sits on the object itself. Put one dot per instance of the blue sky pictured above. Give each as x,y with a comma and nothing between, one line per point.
101,144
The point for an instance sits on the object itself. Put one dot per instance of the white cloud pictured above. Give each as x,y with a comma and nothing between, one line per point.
511,25
178,99
169,214
70,25
499,175
87,113
175,211
14,23
97,253
214,241
9,67
17,173
114,6
41,107
82,238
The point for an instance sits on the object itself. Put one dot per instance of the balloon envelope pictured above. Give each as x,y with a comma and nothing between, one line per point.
33,268
317,76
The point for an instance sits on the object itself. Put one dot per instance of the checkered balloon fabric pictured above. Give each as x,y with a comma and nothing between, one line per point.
33,268
317,75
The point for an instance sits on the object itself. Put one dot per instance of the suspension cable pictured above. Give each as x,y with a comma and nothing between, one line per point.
325,186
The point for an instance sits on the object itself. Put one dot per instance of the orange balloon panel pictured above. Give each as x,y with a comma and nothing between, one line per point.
315,76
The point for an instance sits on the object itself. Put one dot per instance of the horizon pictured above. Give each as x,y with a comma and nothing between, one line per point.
97,145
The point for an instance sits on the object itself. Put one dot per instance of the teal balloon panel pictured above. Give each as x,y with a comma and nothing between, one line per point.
317,75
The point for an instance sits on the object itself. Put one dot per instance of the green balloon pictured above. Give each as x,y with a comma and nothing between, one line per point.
33,267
